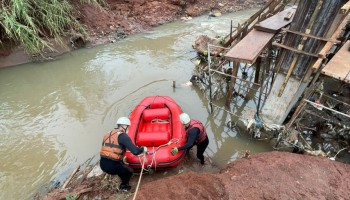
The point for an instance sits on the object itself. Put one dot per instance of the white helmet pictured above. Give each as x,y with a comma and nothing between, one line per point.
185,118
123,121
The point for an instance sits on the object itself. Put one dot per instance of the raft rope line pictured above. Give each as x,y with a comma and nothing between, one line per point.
160,121
144,160
142,168
155,152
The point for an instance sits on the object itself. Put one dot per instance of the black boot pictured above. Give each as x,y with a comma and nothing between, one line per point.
124,188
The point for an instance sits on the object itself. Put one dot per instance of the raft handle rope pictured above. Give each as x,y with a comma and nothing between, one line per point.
160,121
154,152
154,155
150,165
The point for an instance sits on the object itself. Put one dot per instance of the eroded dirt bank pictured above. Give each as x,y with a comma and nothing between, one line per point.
119,18
115,20
272,175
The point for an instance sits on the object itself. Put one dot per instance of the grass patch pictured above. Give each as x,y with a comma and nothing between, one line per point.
31,23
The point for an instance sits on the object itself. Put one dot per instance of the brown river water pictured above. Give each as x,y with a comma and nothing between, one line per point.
53,115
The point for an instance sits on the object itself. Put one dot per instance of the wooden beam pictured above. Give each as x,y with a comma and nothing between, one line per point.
339,66
345,8
300,47
289,73
274,23
297,50
311,36
70,177
325,107
257,69
236,77
328,45
250,47
231,85
251,19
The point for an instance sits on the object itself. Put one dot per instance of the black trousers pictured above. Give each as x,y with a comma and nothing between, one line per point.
113,167
201,148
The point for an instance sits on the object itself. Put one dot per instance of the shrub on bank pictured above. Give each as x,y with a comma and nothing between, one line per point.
31,23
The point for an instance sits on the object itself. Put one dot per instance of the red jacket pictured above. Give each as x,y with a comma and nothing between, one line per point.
202,132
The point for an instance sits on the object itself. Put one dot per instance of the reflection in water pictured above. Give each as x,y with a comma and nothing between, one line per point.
53,115
225,144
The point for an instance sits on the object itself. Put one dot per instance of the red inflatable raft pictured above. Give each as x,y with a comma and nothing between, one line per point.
155,124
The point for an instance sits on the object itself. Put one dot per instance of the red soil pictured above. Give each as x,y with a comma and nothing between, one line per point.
273,175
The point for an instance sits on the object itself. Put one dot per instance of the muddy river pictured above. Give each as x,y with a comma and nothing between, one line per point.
53,115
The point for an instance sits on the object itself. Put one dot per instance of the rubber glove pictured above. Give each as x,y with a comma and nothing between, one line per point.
174,151
144,149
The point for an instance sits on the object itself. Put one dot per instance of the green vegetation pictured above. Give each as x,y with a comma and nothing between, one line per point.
71,196
32,22
222,41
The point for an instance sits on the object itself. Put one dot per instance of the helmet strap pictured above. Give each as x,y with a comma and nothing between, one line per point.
124,127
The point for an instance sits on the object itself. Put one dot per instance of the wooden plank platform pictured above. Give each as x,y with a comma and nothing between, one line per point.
249,48
339,66
276,22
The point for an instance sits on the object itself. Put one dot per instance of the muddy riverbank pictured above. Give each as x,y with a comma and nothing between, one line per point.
273,175
115,20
